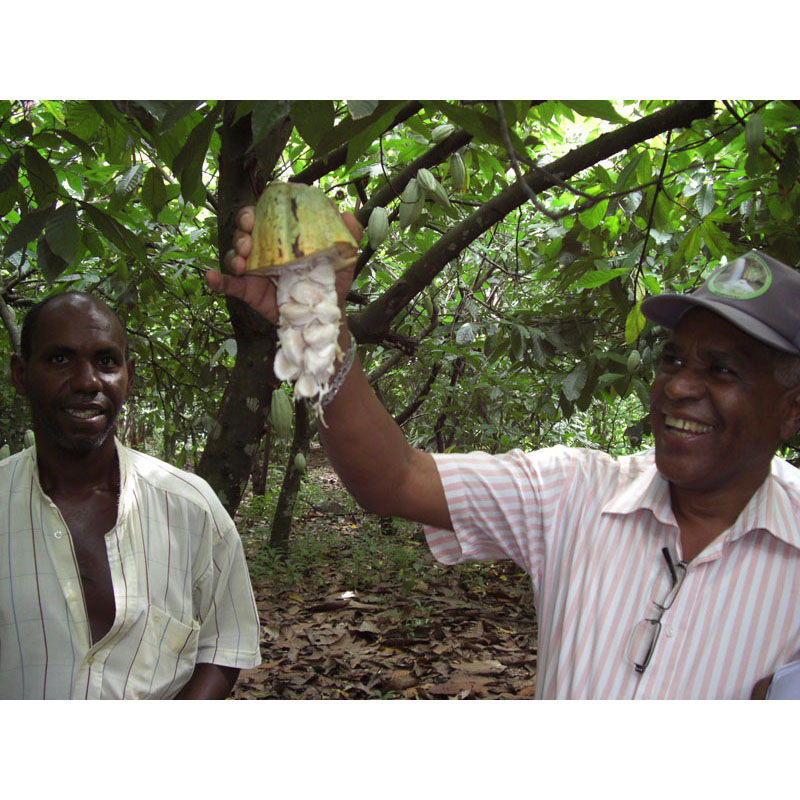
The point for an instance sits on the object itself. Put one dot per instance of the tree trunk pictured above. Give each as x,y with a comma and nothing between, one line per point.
228,456
284,508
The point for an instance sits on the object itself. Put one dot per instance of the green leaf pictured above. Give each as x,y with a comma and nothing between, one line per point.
129,182
62,233
264,116
602,109
573,383
358,109
628,171
592,217
115,232
688,248
9,172
26,230
86,150
313,119
188,163
50,264
599,277
154,192
704,201
634,324
754,133
41,176
716,241
360,142
790,166
518,337
177,112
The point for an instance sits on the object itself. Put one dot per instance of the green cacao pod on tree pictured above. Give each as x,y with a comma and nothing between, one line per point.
377,227
281,413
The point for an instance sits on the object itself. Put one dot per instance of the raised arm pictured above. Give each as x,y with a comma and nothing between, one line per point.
364,445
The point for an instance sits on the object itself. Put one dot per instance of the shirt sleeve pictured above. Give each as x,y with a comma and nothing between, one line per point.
229,632
500,505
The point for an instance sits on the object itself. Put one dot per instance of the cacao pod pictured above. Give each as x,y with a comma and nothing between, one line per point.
377,227
426,180
412,192
5,451
411,202
281,413
300,462
441,132
458,173
634,359
28,438
440,195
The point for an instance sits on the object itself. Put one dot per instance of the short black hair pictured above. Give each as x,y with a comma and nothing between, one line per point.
32,317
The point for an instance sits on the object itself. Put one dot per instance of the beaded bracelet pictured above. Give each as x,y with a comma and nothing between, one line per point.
341,373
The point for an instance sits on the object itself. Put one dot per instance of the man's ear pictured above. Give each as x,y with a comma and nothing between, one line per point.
790,413
18,374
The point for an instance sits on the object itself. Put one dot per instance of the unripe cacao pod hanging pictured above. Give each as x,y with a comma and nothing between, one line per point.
441,132
28,438
281,413
411,202
300,462
458,173
377,227
634,359
5,451
426,180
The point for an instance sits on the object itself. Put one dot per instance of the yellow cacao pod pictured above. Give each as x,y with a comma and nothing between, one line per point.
300,462
377,227
441,132
458,172
28,438
280,413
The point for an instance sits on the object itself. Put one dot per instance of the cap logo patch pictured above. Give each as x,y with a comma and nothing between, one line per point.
742,279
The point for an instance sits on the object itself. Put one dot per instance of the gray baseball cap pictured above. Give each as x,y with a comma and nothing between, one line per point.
755,292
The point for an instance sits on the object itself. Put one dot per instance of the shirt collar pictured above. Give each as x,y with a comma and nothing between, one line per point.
649,490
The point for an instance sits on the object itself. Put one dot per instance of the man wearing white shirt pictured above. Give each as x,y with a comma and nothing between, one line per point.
120,575
673,573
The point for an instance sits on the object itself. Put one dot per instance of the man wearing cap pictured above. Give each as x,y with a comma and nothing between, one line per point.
672,573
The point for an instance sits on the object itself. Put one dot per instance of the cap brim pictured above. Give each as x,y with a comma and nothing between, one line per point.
668,309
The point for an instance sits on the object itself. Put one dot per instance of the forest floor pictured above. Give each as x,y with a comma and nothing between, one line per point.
361,610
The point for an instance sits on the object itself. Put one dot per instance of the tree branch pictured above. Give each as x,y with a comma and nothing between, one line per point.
372,324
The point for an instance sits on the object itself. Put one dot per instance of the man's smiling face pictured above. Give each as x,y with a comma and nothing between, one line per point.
77,377
718,414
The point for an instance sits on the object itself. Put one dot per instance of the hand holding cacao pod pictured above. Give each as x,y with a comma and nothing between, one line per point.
255,290
298,241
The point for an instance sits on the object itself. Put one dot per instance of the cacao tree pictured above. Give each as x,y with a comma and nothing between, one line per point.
497,307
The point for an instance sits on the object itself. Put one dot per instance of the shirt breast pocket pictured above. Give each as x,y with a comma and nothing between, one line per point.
166,656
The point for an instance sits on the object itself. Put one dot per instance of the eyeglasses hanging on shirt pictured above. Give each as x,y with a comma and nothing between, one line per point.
644,636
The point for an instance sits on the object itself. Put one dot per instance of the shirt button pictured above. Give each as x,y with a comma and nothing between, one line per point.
670,631
90,660
58,534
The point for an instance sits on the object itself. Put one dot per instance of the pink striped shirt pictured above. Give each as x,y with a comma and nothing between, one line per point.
589,530
181,588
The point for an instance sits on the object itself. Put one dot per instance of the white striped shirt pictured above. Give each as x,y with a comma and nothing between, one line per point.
589,530
180,580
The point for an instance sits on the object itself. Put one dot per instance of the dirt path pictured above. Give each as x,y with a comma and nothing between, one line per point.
370,614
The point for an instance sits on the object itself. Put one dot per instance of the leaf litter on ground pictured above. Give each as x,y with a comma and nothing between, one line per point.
359,609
